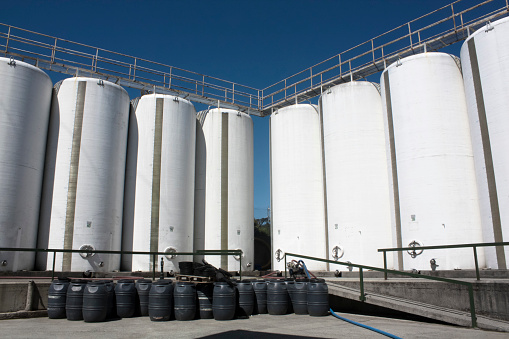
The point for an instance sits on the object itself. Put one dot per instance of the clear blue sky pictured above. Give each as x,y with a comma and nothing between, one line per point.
255,43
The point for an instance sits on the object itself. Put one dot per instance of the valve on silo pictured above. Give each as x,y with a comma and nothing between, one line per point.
86,251
413,253
337,252
279,255
170,250
350,268
433,264
12,62
4,262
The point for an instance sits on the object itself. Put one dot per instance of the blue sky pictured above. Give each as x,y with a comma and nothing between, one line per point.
255,43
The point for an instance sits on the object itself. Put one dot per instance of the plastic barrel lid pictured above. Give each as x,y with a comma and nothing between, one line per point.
125,281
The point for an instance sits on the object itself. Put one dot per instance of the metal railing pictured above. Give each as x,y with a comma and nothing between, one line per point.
73,58
152,254
433,31
438,247
362,296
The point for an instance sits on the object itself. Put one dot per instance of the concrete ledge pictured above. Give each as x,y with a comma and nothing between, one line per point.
24,314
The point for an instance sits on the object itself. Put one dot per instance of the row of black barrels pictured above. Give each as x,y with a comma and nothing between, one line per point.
96,301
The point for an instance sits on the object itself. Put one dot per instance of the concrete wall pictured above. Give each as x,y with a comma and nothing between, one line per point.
491,298
13,296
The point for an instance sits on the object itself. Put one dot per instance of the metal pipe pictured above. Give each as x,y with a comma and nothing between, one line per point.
476,264
361,277
53,270
385,265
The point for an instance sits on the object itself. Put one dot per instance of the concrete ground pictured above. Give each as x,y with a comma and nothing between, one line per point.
259,326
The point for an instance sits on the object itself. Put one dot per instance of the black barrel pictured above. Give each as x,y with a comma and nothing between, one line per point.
277,297
186,267
160,300
74,300
260,290
318,297
57,296
95,302
205,293
290,288
300,296
184,297
143,286
223,303
112,308
246,298
126,295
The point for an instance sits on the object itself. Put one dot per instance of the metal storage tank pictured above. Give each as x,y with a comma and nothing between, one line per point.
224,206
88,139
297,188
163,149
25,97
356,175
435,200
485,63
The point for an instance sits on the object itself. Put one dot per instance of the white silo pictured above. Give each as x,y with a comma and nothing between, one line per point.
25,98
356,175
162,139
485,63
297,188
88,139
224,207
435,200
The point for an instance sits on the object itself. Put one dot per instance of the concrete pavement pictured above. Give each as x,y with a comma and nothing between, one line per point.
258,326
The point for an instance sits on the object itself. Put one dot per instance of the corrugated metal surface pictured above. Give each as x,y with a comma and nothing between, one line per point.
356,174
88,142
431,159
485,60
224,210
164,141
297,189
25,98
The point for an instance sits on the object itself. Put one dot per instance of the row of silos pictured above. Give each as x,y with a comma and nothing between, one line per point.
420,161
66,184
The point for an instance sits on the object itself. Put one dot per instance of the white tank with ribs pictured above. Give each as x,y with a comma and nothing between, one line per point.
25,99
356,175
297,187
224,207
435,200
161,154
485,63
86,165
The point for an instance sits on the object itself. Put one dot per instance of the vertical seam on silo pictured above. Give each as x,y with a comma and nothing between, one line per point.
488,157
392,144
324,174
156,179
224,188
271,195
73,175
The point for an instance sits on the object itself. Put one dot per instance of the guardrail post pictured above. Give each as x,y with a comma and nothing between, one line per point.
285,265
472,305
476,264
385,265
361,276
8,37
53,270
240,270
153,267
